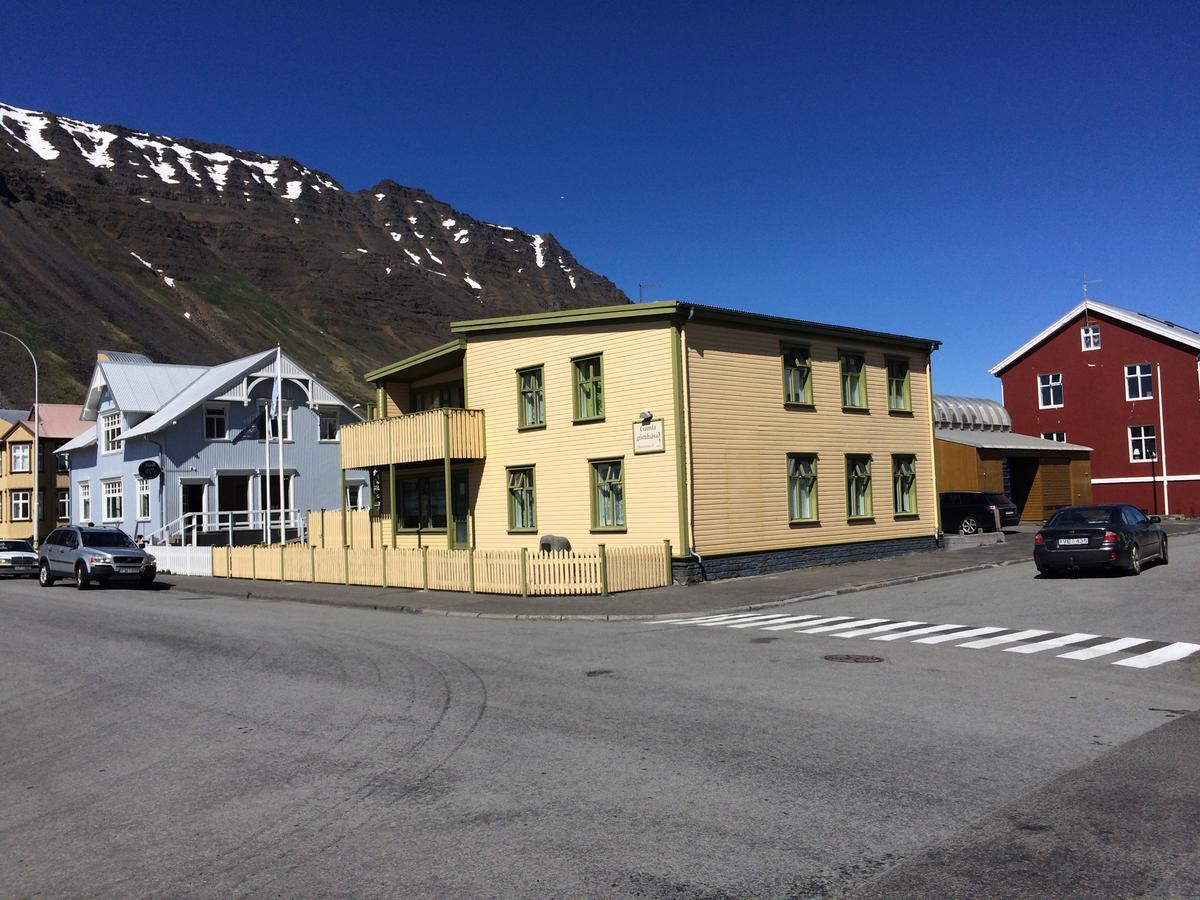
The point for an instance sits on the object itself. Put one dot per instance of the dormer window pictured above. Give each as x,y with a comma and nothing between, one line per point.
110,432
1089,337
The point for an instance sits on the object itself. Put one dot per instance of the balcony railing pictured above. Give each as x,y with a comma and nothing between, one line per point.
427,436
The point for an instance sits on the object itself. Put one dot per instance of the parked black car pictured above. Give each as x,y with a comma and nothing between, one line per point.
969,512
93,554
1116,536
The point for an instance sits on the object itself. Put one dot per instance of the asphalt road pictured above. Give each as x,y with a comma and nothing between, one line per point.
161,743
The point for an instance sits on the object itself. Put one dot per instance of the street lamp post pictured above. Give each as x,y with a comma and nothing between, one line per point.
35,506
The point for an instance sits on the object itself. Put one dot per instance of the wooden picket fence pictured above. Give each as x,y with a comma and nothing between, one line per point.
600,571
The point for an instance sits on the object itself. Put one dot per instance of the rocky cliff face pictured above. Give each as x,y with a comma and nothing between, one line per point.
194,252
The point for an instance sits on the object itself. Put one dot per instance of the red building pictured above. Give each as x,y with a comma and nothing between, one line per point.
1125,384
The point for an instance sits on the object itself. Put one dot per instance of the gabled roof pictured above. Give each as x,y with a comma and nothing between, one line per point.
136,386
13,415
1142,321
443,356
61,420
86,439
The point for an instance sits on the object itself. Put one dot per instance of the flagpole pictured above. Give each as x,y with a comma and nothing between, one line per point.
266,495
279,433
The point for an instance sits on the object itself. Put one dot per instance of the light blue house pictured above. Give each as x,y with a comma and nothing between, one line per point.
204,427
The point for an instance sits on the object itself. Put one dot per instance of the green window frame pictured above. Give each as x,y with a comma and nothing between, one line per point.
522,499
421,503
589,387
797,376
858,487
904,485
899,387
608,494
531,397
802,487
854,380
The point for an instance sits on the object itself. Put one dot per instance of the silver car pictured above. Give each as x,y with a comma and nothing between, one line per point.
89,554
17,559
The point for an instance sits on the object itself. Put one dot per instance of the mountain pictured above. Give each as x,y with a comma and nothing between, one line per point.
191,252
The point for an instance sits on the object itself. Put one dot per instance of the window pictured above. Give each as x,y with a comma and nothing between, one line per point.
1142,444
437,397
355,495
215,426
143,500
1089,337
802,487
522,502
899,393
797,376
20,506
589,388
854,381
608,495
110,430
64,505
1050,391
273,421
531,400
85,501
114,502
19,457
328,425
1059,437
858,487
62,463
904,485
1139,382
421,502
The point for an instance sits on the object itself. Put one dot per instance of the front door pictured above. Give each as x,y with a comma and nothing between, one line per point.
460,526
233,496
193,502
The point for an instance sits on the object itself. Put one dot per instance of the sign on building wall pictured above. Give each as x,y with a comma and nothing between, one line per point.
648,437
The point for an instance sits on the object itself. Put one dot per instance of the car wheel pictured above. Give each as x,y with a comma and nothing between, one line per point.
1135,561
145,581
82,579
45,579
968,525
1163,556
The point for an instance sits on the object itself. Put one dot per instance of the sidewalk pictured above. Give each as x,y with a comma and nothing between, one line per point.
734,594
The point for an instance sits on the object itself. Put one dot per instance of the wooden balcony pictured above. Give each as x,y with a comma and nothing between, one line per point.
429,436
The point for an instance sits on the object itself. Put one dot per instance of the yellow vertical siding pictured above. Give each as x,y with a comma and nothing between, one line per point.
637,376
741,433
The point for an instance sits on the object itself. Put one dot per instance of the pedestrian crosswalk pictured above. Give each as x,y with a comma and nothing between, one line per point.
1131,652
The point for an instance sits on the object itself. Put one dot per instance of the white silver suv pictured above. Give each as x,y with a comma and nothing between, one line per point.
90,554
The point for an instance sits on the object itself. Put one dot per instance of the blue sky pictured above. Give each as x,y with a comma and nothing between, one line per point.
945,170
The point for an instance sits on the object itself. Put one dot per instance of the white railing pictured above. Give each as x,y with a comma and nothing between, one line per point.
188,527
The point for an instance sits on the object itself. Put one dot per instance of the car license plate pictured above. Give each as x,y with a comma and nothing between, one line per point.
128,570
1073,542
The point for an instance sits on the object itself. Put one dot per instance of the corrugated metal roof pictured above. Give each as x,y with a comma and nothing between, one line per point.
86,439
123,357
138,387
970,412
1002,440
13,415
61,420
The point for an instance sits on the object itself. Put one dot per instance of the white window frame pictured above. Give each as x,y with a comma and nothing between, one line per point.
143,495
85,501
1141,440
119,496
1089,337
265,406
1050,382
25,497
1059,437
211,411
64,506
1134,374
322,416
110,430
26,454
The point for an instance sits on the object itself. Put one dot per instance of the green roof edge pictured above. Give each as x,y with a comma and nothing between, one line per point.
458,344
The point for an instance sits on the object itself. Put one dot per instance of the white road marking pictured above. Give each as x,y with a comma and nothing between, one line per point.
690,619
1158,657
877,629
758,617
839,625
971,632
927,630
792,625
1103,649
1005,639
1077,638
774,620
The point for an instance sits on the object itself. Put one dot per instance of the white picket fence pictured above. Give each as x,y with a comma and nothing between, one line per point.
185,560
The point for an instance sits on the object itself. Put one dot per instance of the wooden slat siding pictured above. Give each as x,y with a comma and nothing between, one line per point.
637,376
328,562
362,529
634,568
741,435
220,562
241,562
1055,478
297,562
404,568
365,567
958,467
564,572
416,437
498,571
448,570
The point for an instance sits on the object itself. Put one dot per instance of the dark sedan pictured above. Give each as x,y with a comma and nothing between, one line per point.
1099,537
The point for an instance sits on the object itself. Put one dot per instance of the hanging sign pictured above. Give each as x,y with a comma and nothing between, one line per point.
149,470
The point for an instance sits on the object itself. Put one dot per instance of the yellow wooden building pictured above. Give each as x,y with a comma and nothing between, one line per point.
752,443
59,422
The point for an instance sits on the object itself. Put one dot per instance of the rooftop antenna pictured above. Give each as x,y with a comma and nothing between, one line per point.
645,284
1089,281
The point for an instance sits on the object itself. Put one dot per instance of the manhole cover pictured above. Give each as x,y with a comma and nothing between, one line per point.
852,657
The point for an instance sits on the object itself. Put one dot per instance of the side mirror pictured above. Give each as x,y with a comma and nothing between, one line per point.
1156,518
